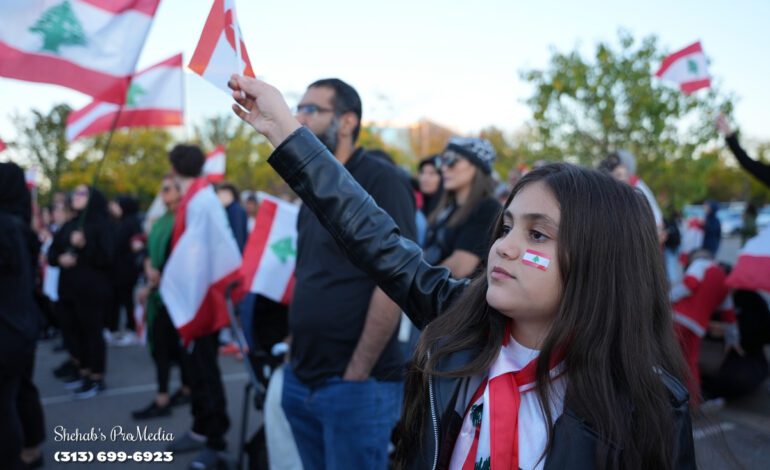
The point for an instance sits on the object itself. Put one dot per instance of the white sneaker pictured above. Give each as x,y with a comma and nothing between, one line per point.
129,338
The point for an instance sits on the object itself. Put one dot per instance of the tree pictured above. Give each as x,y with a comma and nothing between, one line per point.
42,140
59,26
586,108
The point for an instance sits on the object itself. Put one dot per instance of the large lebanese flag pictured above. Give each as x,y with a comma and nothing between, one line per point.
215,165
89,45
687,67
271,251
204,261
752,271
216,57
155,99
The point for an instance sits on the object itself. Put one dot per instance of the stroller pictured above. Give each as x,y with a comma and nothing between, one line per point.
263,326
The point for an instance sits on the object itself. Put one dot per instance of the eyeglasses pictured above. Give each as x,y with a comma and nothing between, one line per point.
312,109
449,159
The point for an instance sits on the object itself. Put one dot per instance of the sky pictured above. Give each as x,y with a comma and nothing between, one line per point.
457,63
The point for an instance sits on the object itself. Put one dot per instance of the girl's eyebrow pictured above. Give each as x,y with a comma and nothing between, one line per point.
533,217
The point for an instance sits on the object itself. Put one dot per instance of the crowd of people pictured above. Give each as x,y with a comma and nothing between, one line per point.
443,320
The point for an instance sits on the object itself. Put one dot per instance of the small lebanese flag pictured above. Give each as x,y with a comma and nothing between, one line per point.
752,270
214,167
271,250
204,262
30,176
688,68
154,99
536,259
3,146
88,45
216,57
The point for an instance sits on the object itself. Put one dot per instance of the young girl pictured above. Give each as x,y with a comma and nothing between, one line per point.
561,354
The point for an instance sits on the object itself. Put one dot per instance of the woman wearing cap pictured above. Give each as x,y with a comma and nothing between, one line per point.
458,228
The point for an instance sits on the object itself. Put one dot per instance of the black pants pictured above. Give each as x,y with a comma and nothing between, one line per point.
83,316
122,296
208,395
28,406
167,349
10,424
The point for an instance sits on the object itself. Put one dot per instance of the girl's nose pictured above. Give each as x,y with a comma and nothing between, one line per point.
508,247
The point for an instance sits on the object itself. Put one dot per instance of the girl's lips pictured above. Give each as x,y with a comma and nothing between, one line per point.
500,273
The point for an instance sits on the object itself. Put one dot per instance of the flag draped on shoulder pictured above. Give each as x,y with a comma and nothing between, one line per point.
215,165
752,270
221,51
88,45
271,251
687,67
204,261
155,99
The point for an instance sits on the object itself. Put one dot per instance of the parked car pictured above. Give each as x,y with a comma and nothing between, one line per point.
731,221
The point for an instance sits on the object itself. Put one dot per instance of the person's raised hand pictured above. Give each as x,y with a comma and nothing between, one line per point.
723,126
263,107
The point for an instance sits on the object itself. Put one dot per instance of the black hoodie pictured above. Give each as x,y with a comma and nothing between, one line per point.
90,276
18,255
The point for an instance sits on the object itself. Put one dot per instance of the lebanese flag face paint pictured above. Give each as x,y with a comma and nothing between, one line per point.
536,259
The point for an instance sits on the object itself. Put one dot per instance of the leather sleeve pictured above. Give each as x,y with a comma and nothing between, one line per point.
366,233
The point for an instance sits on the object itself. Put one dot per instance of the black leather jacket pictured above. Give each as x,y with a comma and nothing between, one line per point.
371,239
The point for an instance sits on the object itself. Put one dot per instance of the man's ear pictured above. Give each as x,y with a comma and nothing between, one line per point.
348,123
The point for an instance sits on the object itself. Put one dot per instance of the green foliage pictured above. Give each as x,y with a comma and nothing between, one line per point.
584,108
42,140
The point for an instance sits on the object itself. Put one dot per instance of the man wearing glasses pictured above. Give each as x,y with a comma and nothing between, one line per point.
342,390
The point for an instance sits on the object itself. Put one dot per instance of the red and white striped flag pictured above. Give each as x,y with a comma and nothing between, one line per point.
89,45
752,271
221,51
204,261
688,68
215,165
271,251
155,99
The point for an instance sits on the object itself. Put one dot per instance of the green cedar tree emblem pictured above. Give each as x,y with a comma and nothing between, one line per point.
483,464
692,66
59,26
134,91
284,249
476,414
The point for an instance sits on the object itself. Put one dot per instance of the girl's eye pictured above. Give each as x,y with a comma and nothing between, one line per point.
505,230
537,236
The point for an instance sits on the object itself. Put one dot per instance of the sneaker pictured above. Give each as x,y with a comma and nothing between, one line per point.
207,459
188,442
65,369
90,388
73,381
108,336
128,338
153,410
179,398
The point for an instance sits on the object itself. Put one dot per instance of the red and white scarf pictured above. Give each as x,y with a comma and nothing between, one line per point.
489,437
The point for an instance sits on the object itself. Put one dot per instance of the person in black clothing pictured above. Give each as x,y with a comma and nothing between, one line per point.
19,319
236,214
431,183
125,269
343,387
84,249
757,169
458,228
712,228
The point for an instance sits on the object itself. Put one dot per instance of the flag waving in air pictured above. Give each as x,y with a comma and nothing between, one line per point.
271,251
204,261
752,270
221,51
214,168
688,68
89,45
155,99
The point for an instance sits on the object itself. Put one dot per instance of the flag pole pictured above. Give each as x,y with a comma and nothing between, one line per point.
99,166
237,37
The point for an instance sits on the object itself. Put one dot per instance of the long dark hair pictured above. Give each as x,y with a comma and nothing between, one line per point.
614,323
482,187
